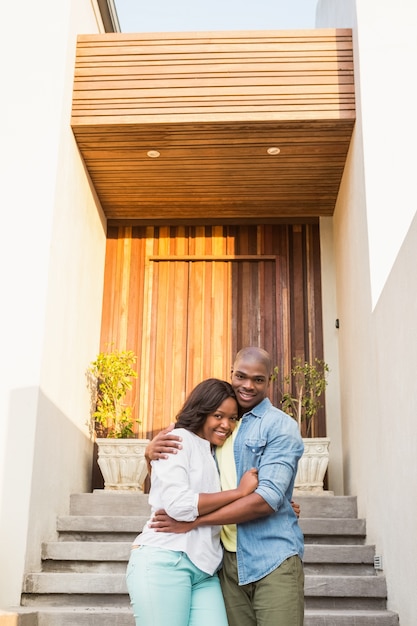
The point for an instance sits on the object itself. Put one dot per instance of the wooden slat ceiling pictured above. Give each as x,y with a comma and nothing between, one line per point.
211,105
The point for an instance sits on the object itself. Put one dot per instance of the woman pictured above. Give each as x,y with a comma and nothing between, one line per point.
171,577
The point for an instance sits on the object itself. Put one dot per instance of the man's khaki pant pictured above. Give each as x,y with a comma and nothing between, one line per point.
275,600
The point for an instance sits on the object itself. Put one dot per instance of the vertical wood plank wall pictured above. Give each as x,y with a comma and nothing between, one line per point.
186,298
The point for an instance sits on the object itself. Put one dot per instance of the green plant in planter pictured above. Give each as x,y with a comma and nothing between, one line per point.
112,376
306,383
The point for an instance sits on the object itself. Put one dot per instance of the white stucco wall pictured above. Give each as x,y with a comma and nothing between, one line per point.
375,235
52,258
331,356
387,44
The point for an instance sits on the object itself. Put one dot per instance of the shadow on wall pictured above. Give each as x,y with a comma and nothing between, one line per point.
47,457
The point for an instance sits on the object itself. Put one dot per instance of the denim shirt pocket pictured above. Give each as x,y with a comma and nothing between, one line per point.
254,449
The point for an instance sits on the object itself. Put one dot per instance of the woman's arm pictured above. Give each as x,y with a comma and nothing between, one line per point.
171,488
245,509
242,510
162,522
208,502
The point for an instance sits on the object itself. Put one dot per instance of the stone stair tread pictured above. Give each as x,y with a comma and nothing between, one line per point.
333,526
327,506
98,582
71,610
101,523
120,550
353,612
345,586
97,608
74,583
87,550
342,617
106,502
112,556
133,523
322,553
122,616
83,616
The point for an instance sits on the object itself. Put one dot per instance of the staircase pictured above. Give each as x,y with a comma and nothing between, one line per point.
82,582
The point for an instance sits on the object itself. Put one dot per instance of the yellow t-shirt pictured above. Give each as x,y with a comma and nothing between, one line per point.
228,480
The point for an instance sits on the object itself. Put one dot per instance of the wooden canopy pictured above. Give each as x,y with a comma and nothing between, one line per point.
230,126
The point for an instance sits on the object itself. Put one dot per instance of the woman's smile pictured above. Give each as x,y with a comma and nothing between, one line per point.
220,424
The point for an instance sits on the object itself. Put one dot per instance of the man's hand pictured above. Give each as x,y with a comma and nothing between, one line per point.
163,444
161,522
296,508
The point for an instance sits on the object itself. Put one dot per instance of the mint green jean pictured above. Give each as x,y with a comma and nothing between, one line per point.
166,588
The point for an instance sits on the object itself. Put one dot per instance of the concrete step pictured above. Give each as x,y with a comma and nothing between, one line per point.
100,528
339,560
94,616
327,506
324,591
119,551
72,583
321,553
314,529
135,503
350,618
74,601
122,616
333,530
86,556
68,616
112,557
102,502
101,523
345,592
87,551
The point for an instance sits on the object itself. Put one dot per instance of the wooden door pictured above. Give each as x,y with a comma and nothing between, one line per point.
187,330
186,299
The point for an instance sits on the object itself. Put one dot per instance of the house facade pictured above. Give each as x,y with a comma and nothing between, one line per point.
57,250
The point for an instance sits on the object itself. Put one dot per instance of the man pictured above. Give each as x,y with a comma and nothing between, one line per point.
262,576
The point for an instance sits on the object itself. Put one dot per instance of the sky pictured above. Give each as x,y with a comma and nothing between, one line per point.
206,15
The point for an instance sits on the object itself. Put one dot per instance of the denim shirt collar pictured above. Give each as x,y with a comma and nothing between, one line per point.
260,409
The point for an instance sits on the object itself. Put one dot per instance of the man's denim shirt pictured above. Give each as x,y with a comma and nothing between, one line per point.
269,440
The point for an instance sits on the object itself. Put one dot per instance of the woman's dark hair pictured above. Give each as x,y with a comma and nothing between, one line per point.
203,400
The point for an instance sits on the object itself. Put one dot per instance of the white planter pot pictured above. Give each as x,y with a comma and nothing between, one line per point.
122,463
313,465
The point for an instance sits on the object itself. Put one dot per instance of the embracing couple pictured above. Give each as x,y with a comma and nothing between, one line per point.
223,545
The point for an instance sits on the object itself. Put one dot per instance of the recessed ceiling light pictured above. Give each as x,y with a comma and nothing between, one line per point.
154,154
273,150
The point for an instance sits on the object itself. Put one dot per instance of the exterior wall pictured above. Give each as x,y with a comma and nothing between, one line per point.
331,356
52,259
375,239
